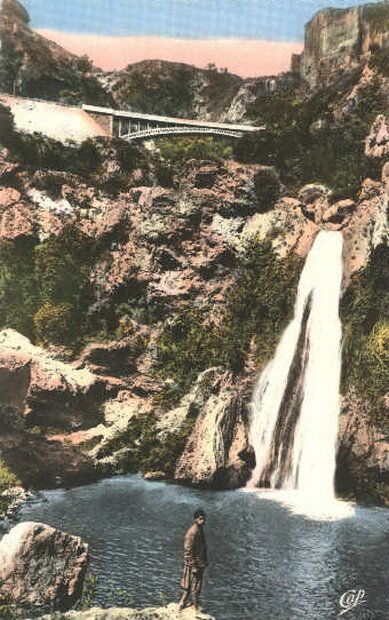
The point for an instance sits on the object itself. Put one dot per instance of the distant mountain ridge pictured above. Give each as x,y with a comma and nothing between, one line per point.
337,41
33,66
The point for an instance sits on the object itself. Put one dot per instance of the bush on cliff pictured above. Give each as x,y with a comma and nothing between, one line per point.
365,318
255,316
38,151
7,477
45,289
141,448
179,150
18,289
62,270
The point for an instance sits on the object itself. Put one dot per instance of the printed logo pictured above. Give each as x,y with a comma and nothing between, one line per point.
351,599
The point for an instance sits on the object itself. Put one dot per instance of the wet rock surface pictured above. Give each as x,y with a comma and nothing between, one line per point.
217,452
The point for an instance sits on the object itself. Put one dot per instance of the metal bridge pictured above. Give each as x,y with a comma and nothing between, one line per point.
133,126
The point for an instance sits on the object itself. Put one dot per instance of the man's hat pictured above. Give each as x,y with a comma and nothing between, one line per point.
199,513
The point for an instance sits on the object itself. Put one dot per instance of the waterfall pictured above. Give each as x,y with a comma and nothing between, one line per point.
295,405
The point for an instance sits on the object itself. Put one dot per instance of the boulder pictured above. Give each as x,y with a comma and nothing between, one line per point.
41,566
155,476
315,201
16,216
15,378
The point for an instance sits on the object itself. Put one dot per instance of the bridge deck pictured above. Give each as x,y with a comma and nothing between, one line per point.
169,120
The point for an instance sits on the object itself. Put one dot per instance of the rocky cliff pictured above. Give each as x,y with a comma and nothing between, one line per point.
181,292
338,40
144,290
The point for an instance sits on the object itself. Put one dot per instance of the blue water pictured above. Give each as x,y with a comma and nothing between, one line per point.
266,563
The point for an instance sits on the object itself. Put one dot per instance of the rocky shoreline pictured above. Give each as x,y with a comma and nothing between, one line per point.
169,612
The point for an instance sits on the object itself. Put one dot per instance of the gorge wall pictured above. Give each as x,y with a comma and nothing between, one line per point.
143,290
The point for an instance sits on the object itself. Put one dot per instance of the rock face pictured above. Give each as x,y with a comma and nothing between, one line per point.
336,39
217,452
366,226
170,612
41,566
36,388
253,89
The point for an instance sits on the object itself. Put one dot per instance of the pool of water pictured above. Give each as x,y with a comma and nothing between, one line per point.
268,561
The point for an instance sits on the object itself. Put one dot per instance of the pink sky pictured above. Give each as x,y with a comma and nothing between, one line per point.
248,58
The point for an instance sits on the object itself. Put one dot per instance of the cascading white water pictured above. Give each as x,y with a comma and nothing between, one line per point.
295,406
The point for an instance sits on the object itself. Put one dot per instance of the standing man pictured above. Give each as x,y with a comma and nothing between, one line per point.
195,561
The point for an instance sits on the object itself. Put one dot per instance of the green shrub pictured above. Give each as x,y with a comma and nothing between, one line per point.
7,477
179,150
18,286
54,323
62,271
45,289
39,151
